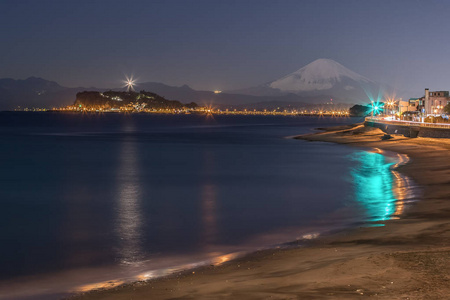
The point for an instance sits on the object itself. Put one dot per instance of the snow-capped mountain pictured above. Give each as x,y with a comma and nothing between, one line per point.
323,78
321,74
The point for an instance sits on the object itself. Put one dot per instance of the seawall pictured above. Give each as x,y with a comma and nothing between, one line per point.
410,129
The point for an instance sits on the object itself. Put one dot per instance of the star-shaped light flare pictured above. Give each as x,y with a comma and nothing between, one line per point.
130,82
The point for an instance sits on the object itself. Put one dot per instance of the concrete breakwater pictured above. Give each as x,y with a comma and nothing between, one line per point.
410,129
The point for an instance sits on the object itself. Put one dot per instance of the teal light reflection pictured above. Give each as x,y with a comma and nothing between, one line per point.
374,184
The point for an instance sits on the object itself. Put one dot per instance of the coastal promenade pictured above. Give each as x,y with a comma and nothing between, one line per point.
409,128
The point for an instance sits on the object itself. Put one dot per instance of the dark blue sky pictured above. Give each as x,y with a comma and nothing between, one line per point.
223,44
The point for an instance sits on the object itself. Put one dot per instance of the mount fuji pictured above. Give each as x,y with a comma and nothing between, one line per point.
321,80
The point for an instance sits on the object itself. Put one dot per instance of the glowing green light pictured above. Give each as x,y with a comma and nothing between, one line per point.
79,105
374,183
376,107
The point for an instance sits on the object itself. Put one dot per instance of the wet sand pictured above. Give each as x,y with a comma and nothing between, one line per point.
408,258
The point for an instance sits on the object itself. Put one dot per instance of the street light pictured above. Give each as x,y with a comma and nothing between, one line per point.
376,107
390,105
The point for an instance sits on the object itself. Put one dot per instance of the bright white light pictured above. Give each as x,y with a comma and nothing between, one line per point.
130,83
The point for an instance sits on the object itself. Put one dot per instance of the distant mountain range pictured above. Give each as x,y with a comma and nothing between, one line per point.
34,92
316,83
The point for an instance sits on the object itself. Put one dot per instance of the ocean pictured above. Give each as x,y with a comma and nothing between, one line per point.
95,200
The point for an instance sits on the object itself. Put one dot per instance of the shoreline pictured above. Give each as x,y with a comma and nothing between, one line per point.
406,258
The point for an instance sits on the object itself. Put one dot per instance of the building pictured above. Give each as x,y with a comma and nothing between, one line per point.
415,104
434,102
402,106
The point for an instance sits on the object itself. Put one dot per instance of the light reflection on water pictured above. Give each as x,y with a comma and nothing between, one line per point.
139,201
208,203
99,285
129,219
216,261
379,188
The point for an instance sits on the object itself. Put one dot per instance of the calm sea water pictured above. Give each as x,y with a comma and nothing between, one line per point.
91,198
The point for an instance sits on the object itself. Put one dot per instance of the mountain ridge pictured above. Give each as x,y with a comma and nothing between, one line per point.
315,83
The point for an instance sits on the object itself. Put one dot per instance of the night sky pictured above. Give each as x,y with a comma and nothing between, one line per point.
224,44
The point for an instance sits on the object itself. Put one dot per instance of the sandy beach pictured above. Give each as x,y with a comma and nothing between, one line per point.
408,258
